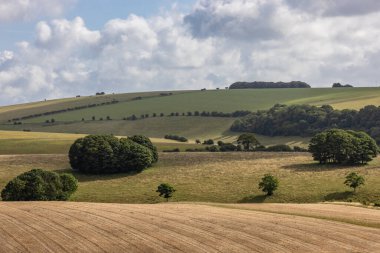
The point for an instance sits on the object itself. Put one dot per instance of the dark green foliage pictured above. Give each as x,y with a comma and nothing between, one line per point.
354,180
279,148
268,184
227,147
307,120
343,146
146,142
338,85
212,149
166,191
39,185
266,85
175,137
102,154
248,141
208,142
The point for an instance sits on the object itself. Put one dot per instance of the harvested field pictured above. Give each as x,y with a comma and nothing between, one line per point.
90,227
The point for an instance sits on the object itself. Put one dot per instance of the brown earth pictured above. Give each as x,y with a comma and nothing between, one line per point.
93,227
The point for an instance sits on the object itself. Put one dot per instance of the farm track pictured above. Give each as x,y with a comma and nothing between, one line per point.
98,227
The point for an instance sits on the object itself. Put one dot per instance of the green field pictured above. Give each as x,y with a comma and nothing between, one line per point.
181,102
224,101
211,177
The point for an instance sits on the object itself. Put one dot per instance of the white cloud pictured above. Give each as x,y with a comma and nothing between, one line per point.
217,43
26,10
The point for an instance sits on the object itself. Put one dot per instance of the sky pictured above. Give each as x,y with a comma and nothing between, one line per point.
62,48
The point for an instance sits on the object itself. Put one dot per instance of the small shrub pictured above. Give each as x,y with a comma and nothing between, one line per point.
354,180
268,184
279,148
208,142
174,150
166,191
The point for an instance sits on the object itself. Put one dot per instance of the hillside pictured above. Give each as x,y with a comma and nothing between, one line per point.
211,177
84,227
181,102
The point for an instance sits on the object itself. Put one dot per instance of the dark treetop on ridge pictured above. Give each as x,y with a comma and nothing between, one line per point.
263,85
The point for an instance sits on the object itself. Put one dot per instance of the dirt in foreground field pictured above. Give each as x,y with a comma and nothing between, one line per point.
91,227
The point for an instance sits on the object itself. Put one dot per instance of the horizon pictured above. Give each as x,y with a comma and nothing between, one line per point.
54,49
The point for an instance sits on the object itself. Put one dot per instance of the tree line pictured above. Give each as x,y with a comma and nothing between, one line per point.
307,120
267,85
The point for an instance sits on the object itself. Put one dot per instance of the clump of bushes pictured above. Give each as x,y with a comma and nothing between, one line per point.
343,146
103,154
176,138
40,185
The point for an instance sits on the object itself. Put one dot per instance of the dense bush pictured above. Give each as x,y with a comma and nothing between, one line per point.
176,138
146,142
208,142
279,148
343,146
265,85
39,185
99,154
307,120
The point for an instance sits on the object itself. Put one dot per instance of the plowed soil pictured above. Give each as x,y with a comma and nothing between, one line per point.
92,227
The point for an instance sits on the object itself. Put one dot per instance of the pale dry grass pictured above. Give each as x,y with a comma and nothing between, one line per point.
84,227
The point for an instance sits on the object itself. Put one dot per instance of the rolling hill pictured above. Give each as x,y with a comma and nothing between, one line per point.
80,121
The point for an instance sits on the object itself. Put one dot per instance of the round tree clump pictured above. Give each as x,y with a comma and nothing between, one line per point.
343,146
106,154
40,185
146,142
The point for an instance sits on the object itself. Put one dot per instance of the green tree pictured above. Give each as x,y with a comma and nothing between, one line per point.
268,184
40,185
105,154
165,190
343,146
146,142
248,141
354,180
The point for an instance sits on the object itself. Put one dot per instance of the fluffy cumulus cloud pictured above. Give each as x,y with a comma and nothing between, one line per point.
215,44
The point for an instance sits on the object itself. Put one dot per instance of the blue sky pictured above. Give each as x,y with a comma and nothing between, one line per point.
95,13
62,48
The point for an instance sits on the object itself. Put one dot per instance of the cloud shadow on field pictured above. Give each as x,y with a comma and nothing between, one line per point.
338,196
316,167
81,177
253,199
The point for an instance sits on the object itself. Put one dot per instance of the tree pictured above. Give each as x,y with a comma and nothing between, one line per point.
354,180
268,184
40,185
248,141
104,154
146,142
341,146
166,191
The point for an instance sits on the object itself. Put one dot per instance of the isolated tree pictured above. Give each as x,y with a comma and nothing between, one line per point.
354,180
248,141
166,191
40,185
268,184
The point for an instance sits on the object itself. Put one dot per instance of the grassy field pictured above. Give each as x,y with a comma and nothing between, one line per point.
13,142
18,142
211,177
190,127
167,228
226,101
19,110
